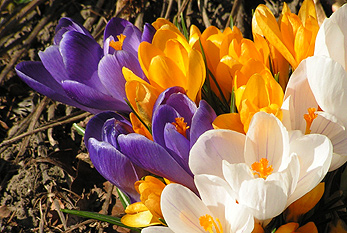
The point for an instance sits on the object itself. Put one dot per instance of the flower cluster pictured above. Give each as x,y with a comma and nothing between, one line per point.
209,131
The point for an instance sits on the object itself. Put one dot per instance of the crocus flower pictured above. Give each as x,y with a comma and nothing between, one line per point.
266,169
261,92
148,211
176,125
77,71
101,139
216,211
294,35
302,111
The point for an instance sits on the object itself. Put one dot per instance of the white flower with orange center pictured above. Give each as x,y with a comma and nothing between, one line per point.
268,168
215,211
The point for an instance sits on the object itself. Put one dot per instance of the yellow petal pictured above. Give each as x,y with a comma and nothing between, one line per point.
138,127
309,227
141,219
135,208
160,22
163,35
146,53
179,55
258,228
194,36
263,48
230,121
266,23
164,73
307,9
130,76
304,204
256,91
196,74
301,45
288,228
142,97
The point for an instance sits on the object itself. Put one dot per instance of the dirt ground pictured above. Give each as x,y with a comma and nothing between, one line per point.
44,165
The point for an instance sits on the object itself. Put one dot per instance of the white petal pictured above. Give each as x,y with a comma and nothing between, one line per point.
315,154
235,174
265,199
239,218
182,209
157,229
328,81
212,148
289,176
267,138
330,42
215,193
331,127
301,98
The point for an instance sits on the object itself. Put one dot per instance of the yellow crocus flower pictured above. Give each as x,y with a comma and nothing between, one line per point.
170,61
293,36
147,212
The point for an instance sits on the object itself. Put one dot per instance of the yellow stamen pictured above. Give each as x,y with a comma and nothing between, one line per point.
309,119
118,45
262,169
208,223
181,126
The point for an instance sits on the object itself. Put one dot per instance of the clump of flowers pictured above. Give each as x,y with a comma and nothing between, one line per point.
211,132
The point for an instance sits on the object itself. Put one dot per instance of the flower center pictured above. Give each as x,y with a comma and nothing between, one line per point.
309,119
181,126
207,222
262,169
118,45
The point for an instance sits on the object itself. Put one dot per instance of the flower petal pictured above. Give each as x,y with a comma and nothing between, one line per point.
115,167
267,138
328,81
212,148
154,158
91,97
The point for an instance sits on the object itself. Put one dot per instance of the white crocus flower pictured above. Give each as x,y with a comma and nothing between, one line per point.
216,211
302,112
266,169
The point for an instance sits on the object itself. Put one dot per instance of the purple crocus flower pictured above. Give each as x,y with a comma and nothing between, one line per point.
75,70
101,139
176,124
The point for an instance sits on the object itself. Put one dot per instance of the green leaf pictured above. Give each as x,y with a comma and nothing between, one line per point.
184,28
100,217
232,102
80,130
124,199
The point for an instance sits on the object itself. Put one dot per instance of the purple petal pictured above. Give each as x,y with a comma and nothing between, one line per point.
164,114
110,72
178,146
115,167
115,27
162,98
133,39
95,125
92,98
66,25
81,56
53,62
112,129
201,121
148,33
38,78
183,105
153,158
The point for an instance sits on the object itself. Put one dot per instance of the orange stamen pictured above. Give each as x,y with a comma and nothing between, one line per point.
118,45
262,169
208,223
309,119
181,126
